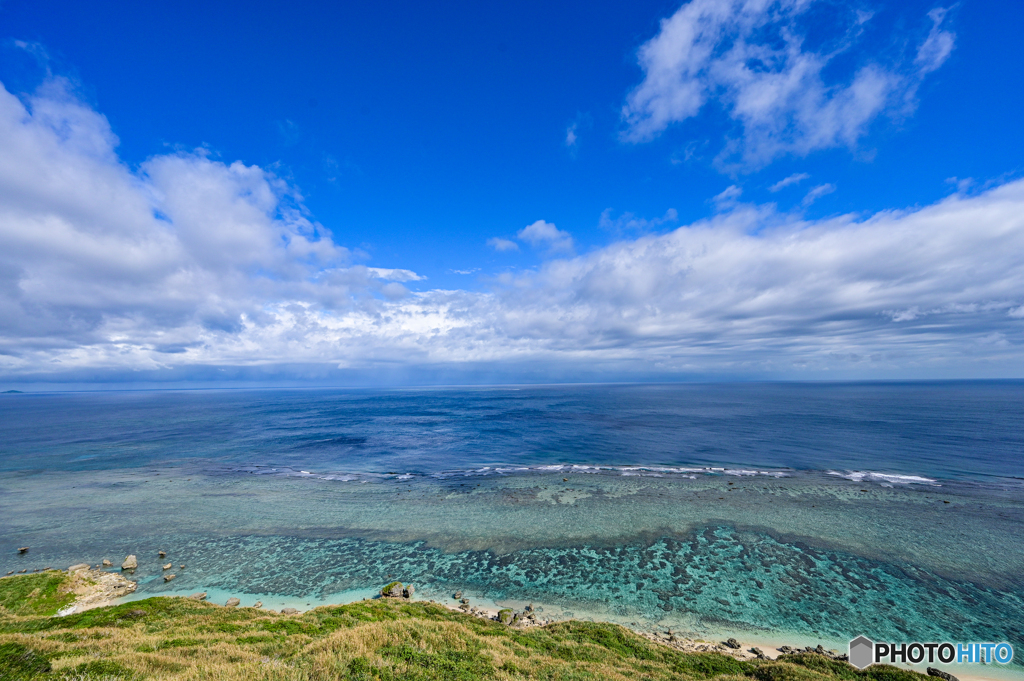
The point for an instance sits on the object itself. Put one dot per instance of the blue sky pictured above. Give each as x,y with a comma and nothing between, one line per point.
332,193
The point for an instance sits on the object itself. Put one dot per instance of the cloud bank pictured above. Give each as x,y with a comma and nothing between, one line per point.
750,56
189,264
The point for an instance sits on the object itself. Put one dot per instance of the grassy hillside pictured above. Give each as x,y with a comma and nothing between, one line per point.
176,638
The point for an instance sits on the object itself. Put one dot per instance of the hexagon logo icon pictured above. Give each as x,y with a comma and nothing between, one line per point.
862,652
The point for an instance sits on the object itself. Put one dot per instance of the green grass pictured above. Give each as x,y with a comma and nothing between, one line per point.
379,640
35,594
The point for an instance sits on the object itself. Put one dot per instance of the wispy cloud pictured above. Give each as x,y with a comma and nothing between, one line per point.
795,178
749,56
818,192
570,136
630,224
502,245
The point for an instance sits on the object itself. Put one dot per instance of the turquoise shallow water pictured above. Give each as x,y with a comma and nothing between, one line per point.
924,548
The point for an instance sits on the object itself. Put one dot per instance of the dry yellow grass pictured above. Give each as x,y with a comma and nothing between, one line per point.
180,639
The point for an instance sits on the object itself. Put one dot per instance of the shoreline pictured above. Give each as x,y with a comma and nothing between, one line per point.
769,643
102,586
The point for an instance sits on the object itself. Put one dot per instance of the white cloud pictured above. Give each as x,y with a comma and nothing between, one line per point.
795,178
818,192
542,233
750,57
195,263
570,136
500,245
628,223
935,50
727,198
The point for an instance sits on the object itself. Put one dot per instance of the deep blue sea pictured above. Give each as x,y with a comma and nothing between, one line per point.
804,512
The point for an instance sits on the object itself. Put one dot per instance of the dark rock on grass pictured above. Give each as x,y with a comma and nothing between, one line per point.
945,676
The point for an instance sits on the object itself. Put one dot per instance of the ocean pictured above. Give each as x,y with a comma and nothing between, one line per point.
792,512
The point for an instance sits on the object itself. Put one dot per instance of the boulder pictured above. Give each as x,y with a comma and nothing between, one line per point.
733,643
759,653
946,676
392,590
130,563
198,596
162,554
409,591
23,549
505,615
289,611
79,566
458,595
168,566
168,578
258,604
232,602
106,562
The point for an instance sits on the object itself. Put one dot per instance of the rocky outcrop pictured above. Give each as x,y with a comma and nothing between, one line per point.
945,676
505,616
392,590
95,588
232,602
168,578
130,563
408,591
198,596
258,604
106,562
733,643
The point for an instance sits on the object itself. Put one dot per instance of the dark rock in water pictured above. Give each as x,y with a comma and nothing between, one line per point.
23,549
946,676
505,616
232,602
733,643
198,596
409,591
458,595
289,611
392,590
162,554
